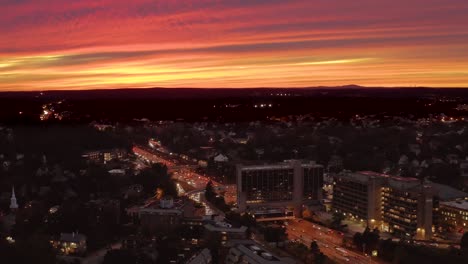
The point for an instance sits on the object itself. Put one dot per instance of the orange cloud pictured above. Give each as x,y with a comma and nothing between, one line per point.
58,44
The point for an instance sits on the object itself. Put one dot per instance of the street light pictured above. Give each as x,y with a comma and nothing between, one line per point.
374,253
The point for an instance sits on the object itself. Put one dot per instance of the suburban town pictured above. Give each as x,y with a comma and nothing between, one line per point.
296,189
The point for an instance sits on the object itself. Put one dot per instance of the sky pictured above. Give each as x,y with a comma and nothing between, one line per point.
94,44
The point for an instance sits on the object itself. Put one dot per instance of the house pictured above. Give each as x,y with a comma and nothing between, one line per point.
70,244
220,158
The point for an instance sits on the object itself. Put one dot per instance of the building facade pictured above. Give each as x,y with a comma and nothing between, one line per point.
285,184
358,195
403,206
407,208
455,214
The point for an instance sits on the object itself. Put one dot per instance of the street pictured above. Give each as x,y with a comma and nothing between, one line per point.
329,241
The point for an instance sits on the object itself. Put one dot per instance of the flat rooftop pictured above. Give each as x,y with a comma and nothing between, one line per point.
459,204
256,253
224,227
287,164
387,176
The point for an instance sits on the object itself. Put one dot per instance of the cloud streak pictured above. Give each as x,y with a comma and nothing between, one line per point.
58,44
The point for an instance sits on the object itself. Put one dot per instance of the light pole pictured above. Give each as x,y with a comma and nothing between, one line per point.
373,254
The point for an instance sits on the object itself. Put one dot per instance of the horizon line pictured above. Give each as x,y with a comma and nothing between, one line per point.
350,86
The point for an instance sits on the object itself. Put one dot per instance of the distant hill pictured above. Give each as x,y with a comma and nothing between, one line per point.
193,93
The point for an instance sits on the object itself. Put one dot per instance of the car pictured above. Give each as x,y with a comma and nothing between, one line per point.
303,231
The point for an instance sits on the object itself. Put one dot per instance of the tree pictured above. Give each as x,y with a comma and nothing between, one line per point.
357,240
35,249
119,256
214,245
320,258
464,242
156,177
274,234
314,248
209,191
337,218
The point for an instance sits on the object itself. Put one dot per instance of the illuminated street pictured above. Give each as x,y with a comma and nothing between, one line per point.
329,241
183,173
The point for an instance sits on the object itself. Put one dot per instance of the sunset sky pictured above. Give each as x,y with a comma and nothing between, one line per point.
89,44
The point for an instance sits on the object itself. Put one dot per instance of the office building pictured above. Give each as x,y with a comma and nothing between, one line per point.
286,185
407,208
455,214
358,195
403,206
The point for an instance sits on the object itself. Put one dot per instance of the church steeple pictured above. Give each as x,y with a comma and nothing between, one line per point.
13,202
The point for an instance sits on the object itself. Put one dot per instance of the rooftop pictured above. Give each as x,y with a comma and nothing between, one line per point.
287,164
225,227
387,176
458,204
256,253
72,237
447,193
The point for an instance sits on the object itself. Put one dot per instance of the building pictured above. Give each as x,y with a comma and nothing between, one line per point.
8,221
103,212
357,195
204,257
104,156
163,215
455,214
285,185
13,202
403,206
407,208
249,252
70,244
225,230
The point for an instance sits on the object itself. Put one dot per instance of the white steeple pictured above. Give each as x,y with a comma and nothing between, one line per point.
13,203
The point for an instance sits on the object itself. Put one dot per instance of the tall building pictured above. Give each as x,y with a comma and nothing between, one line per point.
394,204
358,195
407,207
282,185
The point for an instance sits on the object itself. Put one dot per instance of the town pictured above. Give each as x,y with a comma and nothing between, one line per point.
295,189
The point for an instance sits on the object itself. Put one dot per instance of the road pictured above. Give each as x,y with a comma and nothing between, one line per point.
180,169
98,256
329,241
182,172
